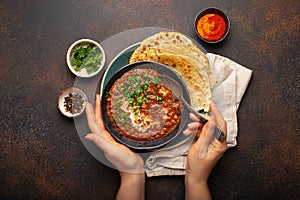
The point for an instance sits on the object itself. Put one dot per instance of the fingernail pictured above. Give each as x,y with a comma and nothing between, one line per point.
88,137
88,106
184,132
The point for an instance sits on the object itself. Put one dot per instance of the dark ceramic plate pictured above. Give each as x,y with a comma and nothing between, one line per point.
144,145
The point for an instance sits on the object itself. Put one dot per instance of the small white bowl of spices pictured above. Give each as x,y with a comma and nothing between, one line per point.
85,58
72,102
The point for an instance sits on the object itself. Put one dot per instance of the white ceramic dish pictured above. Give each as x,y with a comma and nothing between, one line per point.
62,101
81,43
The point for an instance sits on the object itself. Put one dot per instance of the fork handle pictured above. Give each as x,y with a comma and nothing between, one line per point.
218,133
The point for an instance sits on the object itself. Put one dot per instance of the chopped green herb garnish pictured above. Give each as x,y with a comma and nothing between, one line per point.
135,108
146,86
140,100
146,100
116,119
125,89
132,94
107,94
138,91
88,57
118,103
132,79
130,101
119,112
159,99
155,80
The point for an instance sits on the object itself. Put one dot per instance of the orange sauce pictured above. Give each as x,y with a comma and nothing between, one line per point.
211,27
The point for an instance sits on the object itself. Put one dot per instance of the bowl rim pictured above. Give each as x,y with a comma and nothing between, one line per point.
63,94
77,43
212,10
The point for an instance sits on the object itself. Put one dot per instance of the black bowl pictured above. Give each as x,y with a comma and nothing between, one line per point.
217,11
153,144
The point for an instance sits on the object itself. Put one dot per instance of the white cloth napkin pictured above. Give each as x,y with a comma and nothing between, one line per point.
233,80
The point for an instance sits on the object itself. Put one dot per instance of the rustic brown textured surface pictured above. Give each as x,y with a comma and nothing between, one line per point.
41,155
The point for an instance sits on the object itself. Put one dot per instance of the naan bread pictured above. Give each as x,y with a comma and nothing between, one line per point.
178,44
181,54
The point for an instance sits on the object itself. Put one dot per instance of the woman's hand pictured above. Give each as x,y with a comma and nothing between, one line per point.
129,164
203,154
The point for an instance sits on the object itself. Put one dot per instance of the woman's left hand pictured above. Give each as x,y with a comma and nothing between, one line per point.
119,155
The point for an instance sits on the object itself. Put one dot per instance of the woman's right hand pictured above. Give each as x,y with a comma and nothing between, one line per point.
203,154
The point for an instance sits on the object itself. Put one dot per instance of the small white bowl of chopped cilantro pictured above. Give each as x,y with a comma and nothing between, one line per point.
85,58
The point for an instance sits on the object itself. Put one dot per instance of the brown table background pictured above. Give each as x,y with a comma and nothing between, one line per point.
41,155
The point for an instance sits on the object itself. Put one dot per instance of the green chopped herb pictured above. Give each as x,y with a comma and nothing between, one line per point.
120,112
146,100
116,119
138,91
146,76
132,79
107,94
159,99
128,83
123,121
135,108
132,94
118,103
139,95
140,100
126,117
130,101
146,86
155,80
88,57
125,89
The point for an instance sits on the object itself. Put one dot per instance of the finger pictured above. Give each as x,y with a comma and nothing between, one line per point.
205,139
98,112
92,122
218,149
194,118
100,120
218,118
100,142
206,134
188,132
195,126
